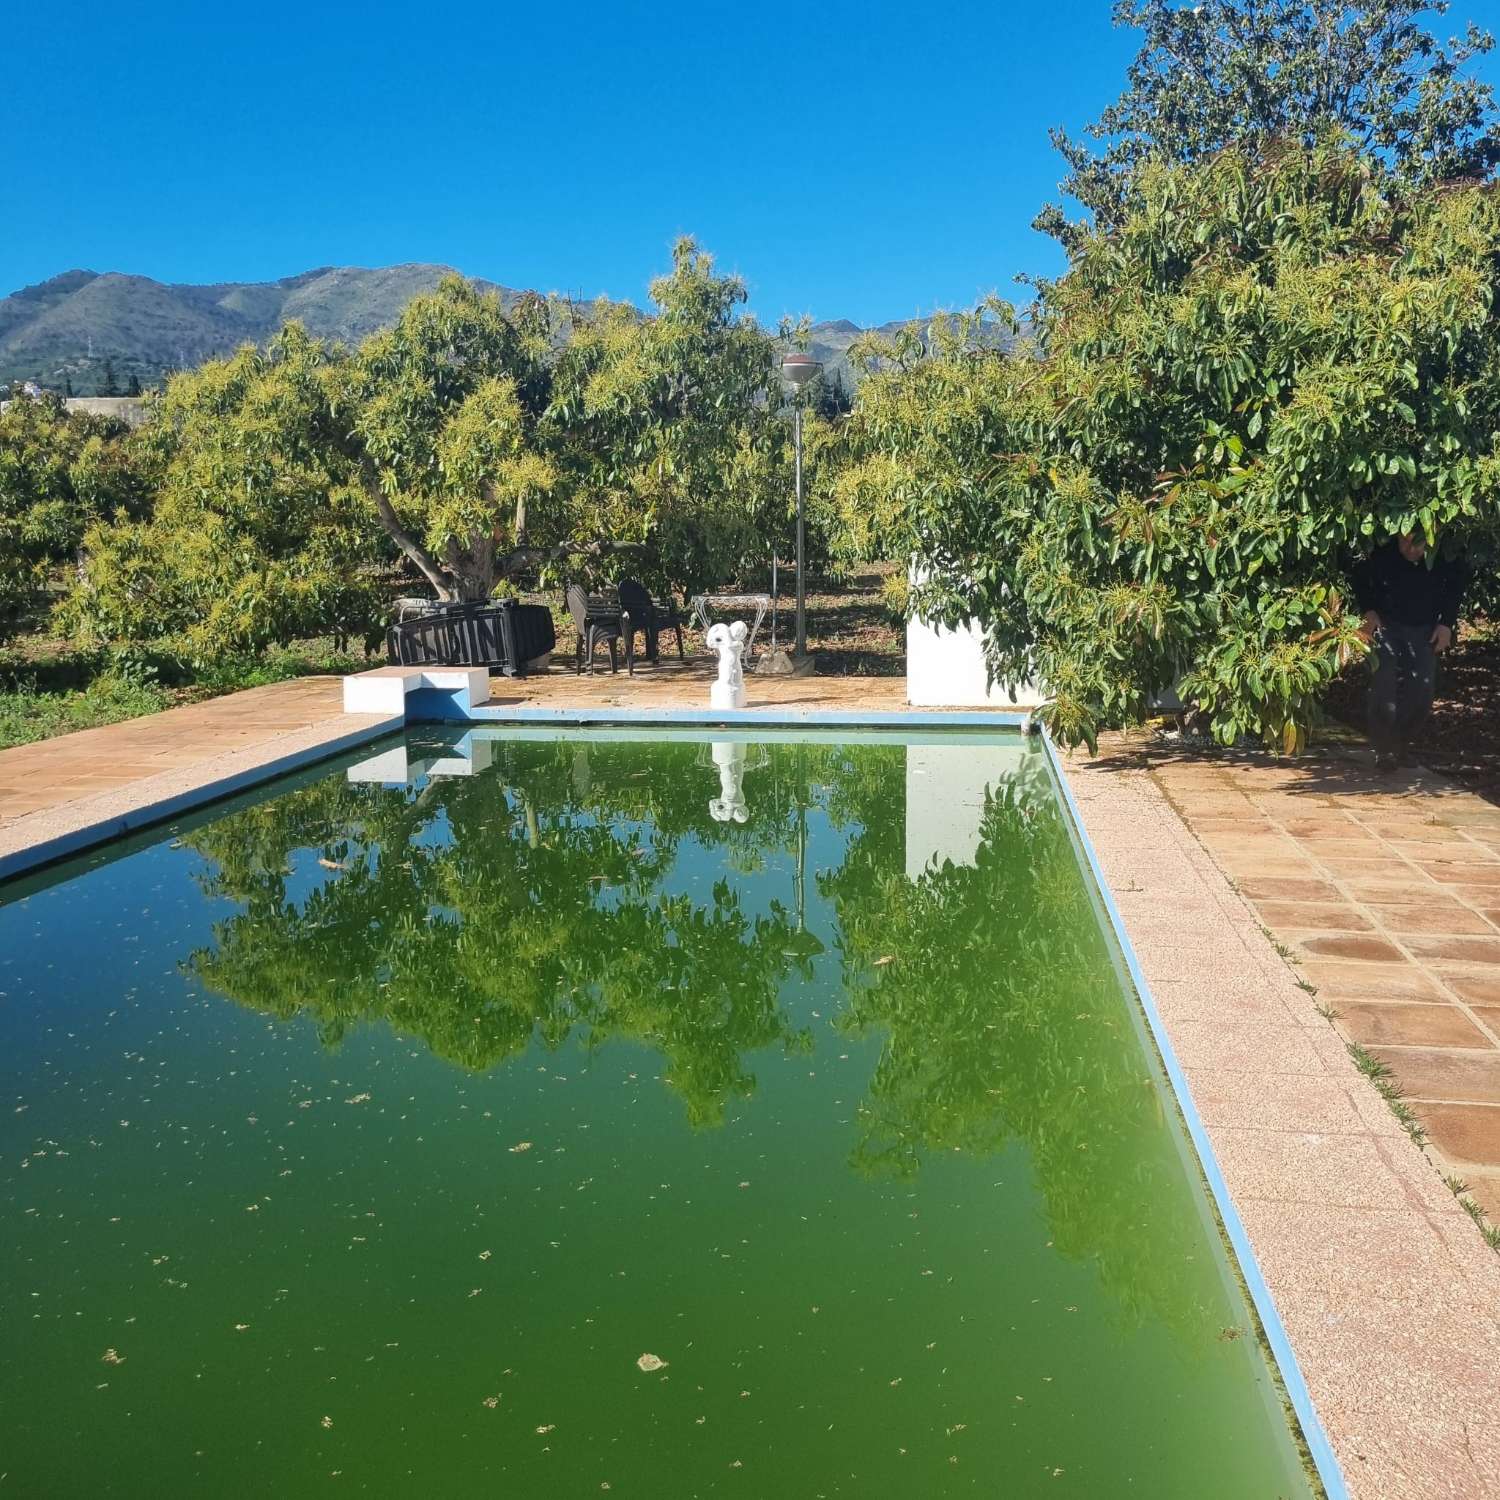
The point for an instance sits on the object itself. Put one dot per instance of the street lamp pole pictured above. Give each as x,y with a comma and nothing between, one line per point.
799,369
801,647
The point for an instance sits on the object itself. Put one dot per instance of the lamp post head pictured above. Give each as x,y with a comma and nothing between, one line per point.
799,368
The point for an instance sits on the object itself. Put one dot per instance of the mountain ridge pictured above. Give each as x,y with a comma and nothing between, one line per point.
62,332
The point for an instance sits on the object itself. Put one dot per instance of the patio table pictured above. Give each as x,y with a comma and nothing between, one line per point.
736,603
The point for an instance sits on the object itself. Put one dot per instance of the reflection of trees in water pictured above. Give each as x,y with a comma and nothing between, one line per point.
1001,1019
479,912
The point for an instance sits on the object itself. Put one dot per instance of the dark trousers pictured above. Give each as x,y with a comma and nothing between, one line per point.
1405,680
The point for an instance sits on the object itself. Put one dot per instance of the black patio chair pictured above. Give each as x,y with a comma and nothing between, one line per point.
651,616
595,622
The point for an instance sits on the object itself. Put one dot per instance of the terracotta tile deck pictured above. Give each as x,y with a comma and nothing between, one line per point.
685,685
1384,893
1389,1295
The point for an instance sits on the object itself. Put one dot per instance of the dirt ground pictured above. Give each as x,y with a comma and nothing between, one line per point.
849,629
1463,738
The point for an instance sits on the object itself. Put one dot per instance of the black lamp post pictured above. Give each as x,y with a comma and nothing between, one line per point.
799,369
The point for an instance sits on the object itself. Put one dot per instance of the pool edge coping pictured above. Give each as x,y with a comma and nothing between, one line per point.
142,814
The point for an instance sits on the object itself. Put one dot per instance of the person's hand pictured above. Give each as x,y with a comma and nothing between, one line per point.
1369,625
1440,639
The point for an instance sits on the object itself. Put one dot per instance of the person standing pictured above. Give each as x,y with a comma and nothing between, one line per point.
1410,604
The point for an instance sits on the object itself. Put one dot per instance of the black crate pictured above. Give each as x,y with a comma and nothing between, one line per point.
500,634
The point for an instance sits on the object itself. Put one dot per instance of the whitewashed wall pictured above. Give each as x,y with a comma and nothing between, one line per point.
945,669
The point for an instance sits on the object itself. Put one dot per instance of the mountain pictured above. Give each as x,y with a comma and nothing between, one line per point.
61,332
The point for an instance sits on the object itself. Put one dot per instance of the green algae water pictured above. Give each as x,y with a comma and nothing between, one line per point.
539,1115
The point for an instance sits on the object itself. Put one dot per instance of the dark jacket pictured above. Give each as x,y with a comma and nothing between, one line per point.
1422,593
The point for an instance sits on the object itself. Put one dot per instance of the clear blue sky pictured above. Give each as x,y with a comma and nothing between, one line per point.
868,161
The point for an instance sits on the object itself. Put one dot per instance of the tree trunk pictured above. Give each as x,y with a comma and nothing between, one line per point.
429,566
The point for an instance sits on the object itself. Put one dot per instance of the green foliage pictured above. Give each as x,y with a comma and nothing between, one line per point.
260,532
895,597
59,471
1258,73
1264,371
669,436
443,411
27,715
478,442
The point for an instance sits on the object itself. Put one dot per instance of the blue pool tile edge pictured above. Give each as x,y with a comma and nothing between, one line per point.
430,706
101,831
1318,1445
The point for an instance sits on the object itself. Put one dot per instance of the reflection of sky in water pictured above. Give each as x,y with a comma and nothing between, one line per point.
934,1221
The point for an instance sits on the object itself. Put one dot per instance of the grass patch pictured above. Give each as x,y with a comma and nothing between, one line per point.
59,690
1388,1089
1460,1190
27,716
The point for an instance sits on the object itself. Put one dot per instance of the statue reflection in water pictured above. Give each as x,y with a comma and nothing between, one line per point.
730,805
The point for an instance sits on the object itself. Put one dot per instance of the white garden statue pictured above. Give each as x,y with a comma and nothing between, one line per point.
728,690
730,805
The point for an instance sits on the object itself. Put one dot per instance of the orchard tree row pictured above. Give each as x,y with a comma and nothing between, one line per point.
271,496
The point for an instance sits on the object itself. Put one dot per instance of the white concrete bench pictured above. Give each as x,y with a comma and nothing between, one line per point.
384,690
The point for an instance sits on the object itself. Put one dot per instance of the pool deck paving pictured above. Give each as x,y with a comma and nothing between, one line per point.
1390,1297
1240,880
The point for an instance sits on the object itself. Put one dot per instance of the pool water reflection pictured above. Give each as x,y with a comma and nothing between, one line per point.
379,1128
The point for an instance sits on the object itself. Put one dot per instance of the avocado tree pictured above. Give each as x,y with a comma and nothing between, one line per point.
444,414
1264,370
59,471
669,423
259,531
1256,72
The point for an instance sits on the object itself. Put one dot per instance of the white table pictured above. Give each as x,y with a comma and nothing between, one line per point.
736,604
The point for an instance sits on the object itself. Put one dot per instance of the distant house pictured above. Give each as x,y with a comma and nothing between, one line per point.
131,410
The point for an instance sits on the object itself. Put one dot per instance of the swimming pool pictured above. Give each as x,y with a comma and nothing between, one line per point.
538,1111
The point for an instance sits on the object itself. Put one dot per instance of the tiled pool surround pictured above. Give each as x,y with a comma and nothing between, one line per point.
1383,1288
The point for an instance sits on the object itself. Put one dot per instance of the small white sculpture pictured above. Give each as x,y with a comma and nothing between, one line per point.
728,690
729,806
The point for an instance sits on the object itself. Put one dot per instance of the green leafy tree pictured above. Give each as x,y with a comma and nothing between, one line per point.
59,471
108,386
1264,371
259,533
670,426
1251,73
443,412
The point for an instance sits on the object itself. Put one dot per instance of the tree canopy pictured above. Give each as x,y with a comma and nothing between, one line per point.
59,471
473,443
1253,73
259,530
1269,366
